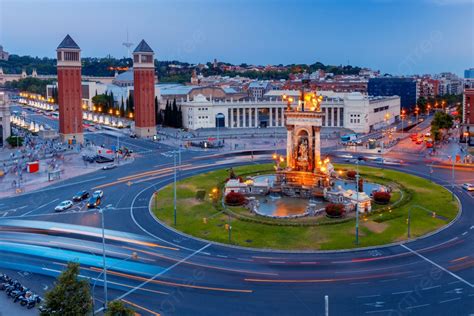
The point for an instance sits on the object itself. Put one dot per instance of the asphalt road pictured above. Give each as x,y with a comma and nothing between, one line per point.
184,276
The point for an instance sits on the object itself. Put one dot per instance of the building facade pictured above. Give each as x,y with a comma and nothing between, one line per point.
69,91
405,88
4,119
144,90
3,54
469,73
353,111
468,111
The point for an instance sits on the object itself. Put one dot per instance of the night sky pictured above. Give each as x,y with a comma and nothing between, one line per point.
395,36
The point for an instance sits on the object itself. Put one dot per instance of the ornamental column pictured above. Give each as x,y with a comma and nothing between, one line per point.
289,146
144,90
317,147
69,91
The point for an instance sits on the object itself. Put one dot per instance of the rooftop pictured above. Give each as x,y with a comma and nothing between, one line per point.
143,47
68,42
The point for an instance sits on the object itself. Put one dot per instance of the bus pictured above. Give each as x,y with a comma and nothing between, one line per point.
348,138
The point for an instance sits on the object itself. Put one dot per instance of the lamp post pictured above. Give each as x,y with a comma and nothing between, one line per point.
133,256
103,259
403,118
174,189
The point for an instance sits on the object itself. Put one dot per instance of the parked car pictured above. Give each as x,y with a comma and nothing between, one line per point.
81,195
133,135
98,193
468,186
109,166
93,202
64,205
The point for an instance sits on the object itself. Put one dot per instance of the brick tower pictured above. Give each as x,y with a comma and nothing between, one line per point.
144,90
69,91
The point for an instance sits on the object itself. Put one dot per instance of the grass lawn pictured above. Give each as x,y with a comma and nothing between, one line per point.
381,227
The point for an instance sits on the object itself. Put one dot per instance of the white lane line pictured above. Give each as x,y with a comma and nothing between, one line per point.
450,300
417,306
431,287
222,256
381,311
63,186
39,207
464,233
272,261
389,280
367,296
244,259
454,282
437,265
402,292
157,275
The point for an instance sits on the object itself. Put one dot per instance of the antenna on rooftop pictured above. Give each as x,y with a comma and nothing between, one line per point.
128,45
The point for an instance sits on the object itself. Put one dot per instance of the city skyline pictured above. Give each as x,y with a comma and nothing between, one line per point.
365,33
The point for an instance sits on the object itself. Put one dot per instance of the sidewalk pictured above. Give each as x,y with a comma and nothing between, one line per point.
70,166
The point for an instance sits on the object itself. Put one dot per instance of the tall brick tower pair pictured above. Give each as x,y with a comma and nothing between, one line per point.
70,90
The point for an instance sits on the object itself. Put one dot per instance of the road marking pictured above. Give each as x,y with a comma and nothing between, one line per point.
389,280
158,274
367,296
271,261
450,300
454,282
39,207
431,287
63,186
222,256
436,265
380,311
464,233
418,306
414,276
358,283
403,292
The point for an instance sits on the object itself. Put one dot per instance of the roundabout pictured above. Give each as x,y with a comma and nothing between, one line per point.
202,213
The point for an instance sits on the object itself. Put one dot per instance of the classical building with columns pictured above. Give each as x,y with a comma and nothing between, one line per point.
353,111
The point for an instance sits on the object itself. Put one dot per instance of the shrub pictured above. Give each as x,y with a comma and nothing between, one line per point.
235,199
335,210
381,197
15,140
200,194
351,174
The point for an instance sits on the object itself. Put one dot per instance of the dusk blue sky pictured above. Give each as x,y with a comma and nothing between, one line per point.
395,36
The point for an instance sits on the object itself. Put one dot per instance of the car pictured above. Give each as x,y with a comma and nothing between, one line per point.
133,135
468,186
81,195
98,193
419,141
109,166
64,205
429,145
93,202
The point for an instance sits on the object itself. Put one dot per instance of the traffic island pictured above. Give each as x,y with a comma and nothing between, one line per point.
417,207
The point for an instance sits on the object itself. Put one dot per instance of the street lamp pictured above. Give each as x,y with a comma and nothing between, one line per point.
174,189
103,258
133,256
403,118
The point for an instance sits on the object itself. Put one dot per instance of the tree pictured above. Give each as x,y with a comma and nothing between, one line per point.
70,296
100,100
157,110
179,118
441,120
15,141
118,308
174,114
